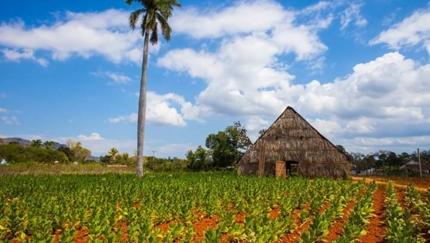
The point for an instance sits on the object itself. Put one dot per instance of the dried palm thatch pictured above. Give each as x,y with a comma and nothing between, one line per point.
292,139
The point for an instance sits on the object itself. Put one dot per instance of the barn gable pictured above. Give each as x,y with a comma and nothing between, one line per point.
293,140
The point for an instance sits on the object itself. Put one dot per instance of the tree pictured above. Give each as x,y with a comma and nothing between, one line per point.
36,143
155,12
341,148
113,152
49,144
199,159
227,146
262,131
79,152
66,150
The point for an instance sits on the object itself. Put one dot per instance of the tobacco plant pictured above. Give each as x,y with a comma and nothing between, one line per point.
402,226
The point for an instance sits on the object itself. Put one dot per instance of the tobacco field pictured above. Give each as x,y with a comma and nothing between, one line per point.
207,207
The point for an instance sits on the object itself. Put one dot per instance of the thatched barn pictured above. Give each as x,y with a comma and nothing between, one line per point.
291,142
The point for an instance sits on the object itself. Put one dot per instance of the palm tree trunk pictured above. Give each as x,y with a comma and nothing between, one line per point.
142,109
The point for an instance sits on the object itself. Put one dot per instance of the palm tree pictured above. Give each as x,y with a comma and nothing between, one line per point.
155,12
112,153
36,143
49,144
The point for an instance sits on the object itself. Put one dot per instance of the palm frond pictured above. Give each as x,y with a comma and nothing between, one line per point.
134,16
165,27
154,35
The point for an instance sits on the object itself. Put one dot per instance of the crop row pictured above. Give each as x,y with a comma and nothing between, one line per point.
114,208
167,208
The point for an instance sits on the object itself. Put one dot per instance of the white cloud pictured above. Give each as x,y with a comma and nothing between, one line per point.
3,110
386,99
168,109
326,127
105,34
126,119
117,78
316,8
235,19
238,81
256,123
92,137
17,56
13,120
412,31
352,15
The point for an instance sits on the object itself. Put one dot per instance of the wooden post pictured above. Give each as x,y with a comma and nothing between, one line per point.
419,162
262,160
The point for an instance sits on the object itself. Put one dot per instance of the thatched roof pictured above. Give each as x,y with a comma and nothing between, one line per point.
292,138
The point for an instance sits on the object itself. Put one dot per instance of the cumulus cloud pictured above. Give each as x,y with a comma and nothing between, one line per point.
256,123
386,99
168,109
235,19
238,81
412,31
91,137
17,56
105,34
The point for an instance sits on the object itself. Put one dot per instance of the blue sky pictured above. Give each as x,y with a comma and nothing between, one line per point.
358,71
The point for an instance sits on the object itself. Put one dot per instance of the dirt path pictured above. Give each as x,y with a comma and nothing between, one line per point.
369,180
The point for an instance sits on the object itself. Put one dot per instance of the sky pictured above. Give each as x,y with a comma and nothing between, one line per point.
358,71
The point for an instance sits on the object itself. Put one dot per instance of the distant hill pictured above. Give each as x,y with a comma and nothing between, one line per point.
25,142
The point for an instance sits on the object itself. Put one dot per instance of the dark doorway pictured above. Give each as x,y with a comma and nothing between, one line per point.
292,167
